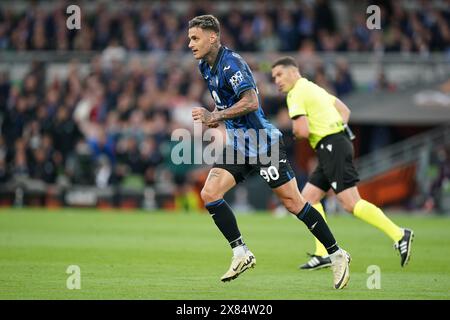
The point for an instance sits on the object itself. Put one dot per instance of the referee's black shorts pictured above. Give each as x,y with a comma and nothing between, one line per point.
335,169
276,173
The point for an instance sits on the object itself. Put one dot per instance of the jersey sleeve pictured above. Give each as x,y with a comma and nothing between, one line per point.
317,95
296,104
331,98
238,75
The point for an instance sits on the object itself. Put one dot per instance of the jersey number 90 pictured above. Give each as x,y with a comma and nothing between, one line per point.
271,173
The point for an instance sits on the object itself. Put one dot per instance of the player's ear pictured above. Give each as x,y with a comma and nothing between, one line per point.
292,71
212,37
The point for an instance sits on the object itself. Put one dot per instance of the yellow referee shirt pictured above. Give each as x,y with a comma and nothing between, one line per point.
308,99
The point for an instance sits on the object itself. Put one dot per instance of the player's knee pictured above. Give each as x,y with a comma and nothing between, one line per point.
348,206
311,199
209,195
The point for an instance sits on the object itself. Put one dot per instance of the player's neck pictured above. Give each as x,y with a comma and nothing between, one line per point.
211,57
294,81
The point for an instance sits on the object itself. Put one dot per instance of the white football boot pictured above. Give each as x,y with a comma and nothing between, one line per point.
340,261
238,265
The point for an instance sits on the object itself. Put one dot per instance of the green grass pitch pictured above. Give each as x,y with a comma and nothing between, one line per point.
157,255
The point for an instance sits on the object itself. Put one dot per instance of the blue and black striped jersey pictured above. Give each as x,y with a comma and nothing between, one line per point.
229,77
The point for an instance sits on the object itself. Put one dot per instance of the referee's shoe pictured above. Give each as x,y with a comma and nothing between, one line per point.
316,262
404,246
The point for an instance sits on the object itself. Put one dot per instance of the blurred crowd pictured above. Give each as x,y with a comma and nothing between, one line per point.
269,26
98,129
113,123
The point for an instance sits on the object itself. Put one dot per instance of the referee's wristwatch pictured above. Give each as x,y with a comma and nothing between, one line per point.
349,132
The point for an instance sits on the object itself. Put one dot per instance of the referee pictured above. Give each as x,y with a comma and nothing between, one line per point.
322,119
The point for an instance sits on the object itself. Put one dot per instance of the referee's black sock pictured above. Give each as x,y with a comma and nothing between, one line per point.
226,222
318,227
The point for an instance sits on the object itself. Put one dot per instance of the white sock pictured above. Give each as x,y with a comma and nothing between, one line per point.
334,254
239,251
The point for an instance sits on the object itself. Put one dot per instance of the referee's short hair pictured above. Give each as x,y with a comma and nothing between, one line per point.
206,22
286,62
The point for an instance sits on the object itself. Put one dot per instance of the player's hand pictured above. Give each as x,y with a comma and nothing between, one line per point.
204,116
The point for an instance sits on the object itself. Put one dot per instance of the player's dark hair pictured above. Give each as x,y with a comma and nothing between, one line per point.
207,22
285,61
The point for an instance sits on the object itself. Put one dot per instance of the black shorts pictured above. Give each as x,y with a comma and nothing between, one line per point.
336,169
276,173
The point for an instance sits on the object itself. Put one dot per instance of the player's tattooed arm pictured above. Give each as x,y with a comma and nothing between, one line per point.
204,116
214,124
248,103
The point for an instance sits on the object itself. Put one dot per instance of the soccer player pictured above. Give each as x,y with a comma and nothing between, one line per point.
322,119
232,86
